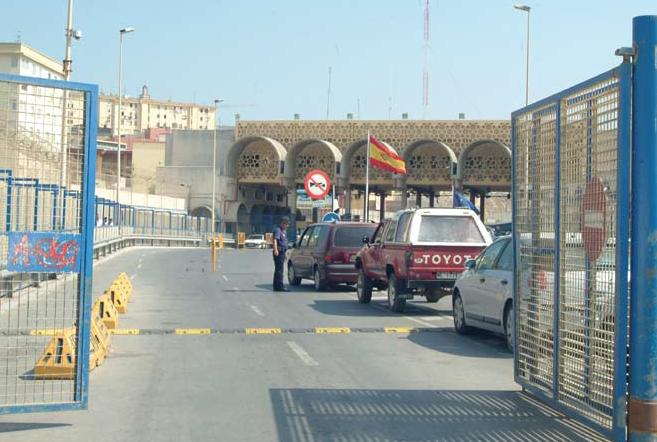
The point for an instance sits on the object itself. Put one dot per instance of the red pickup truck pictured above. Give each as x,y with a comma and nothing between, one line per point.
419,251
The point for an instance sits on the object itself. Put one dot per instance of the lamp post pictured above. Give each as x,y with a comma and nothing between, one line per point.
122,32
214,163
527,9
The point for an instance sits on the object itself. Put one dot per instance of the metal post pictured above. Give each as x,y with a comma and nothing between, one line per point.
642,411
527,63
118,124
366,212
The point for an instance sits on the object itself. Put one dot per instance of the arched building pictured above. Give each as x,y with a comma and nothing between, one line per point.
269,160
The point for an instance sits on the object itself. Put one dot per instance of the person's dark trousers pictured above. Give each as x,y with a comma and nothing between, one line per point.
279,263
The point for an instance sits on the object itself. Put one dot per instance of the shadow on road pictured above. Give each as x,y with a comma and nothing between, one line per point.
346,307
10,427
418,415
475,345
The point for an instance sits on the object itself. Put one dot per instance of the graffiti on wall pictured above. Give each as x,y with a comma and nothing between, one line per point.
44,252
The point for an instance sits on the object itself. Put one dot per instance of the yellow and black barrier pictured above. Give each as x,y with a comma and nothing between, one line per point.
118,295
58,358
104,309
241,239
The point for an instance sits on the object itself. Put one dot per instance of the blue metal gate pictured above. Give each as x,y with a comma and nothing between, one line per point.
47,135
570,211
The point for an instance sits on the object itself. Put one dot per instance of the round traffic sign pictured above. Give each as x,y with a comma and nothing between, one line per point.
317,184
330,217
594,219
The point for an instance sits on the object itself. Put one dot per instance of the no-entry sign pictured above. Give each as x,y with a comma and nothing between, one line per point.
317,184
594,219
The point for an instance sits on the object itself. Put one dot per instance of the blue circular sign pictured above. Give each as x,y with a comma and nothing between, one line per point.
331,217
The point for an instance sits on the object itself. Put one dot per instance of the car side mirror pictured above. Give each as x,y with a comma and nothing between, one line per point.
366,239
470,264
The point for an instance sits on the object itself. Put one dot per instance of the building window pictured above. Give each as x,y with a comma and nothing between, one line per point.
279,197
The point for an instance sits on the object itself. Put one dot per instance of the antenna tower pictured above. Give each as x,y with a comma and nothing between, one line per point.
425,73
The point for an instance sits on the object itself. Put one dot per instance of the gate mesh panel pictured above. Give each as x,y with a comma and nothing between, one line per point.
42,133
587,147
534,220
589,121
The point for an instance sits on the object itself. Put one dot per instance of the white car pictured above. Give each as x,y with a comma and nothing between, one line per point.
256,241
483,296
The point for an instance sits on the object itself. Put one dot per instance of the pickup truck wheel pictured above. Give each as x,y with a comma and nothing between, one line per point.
363,287
395,303
458,311
320,284
292,277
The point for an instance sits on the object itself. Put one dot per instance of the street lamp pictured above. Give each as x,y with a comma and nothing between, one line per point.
527,9
122,32
214,162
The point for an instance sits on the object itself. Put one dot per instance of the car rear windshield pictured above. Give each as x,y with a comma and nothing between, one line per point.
352,236
256,237
449,229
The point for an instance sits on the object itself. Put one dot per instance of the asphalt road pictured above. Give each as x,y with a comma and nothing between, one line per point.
291,386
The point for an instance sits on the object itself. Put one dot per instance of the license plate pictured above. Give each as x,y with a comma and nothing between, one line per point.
446,275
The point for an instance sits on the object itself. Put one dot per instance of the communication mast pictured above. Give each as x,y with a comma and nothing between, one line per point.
425,73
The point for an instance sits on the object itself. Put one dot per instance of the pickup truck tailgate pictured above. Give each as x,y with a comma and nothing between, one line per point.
439,262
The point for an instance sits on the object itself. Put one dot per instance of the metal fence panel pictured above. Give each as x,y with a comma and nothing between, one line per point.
47,164
571,248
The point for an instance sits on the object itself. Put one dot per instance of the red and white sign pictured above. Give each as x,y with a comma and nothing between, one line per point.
594,219
317,184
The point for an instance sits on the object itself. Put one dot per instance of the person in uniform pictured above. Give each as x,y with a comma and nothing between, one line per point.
280,248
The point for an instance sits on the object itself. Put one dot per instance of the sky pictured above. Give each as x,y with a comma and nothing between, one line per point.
270,59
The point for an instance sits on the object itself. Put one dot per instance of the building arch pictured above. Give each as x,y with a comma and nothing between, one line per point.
485,165
430,164
312,154
256,159
202,211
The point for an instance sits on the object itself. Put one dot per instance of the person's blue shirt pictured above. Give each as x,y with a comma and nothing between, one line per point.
281,238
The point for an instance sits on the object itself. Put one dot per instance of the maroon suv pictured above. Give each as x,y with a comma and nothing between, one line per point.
326,253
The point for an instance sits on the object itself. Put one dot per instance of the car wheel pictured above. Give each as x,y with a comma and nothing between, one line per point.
395,303
292,277
458,311
509,331
320,284
363,287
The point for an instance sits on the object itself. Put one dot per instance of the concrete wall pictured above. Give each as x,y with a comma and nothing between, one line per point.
194,147
147,156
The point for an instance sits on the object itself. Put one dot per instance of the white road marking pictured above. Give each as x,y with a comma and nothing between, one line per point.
436,318
139,266
302,354
237,289
256,310
225,277
133,276
410,318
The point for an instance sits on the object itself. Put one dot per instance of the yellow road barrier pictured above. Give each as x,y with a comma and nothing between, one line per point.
263,331
117,296
337,330
241,238
58,359
104,308
100,342
124,280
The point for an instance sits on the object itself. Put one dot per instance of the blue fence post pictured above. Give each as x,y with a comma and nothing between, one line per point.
642,413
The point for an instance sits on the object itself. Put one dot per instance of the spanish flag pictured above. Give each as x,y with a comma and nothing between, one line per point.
385,158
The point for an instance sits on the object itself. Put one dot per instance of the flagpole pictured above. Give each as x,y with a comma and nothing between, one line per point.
367,180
